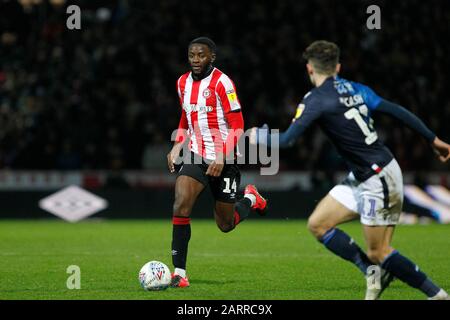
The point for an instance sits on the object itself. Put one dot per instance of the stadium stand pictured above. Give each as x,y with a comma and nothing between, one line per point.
104,97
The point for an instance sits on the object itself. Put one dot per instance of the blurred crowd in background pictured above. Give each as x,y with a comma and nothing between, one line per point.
104,97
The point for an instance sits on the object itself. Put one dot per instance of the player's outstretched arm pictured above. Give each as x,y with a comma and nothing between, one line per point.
308,111
441,148
285,139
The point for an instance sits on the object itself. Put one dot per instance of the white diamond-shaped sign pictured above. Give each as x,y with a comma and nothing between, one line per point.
73,203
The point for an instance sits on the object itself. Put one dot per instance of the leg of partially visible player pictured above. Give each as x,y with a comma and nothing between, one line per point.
380,252
187,190
322,224
379,244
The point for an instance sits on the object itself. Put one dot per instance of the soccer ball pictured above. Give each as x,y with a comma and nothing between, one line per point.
154,275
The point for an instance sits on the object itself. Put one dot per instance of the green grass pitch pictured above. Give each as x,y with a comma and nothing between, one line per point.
270,259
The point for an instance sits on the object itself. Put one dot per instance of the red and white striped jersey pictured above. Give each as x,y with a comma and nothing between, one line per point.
206,106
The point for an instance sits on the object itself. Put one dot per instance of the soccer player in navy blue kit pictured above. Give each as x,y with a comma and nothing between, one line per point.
373,191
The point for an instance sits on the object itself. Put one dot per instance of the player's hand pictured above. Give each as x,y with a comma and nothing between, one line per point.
173,155
254,134
441,149
215,168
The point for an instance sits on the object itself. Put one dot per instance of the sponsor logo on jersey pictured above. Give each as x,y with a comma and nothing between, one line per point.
196,108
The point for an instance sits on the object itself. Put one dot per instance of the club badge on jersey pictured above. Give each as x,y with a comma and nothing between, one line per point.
206,93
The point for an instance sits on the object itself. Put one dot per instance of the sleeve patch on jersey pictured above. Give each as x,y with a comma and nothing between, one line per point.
299,111
231,94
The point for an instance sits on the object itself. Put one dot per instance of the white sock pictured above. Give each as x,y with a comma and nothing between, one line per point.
180,272
251,197
441,295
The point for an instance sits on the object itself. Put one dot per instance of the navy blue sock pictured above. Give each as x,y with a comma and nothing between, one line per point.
405,270
342,245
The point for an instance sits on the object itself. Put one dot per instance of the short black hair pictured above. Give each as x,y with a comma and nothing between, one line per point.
323,55
206,41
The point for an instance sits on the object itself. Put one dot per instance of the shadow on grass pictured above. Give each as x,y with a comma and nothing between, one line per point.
213,282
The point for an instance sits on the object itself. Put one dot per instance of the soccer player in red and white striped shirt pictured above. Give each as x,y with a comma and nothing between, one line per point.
211,122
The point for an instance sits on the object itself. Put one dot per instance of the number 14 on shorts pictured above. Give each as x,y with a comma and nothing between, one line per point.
229,184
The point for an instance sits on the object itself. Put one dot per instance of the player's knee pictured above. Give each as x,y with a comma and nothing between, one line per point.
316,228
376,256
181,208
225,227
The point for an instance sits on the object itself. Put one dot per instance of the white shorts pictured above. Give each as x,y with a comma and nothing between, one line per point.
378,200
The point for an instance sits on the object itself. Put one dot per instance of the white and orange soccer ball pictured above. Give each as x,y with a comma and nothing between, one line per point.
154,276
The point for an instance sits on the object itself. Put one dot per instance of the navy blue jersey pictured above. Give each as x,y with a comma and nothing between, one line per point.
342,109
